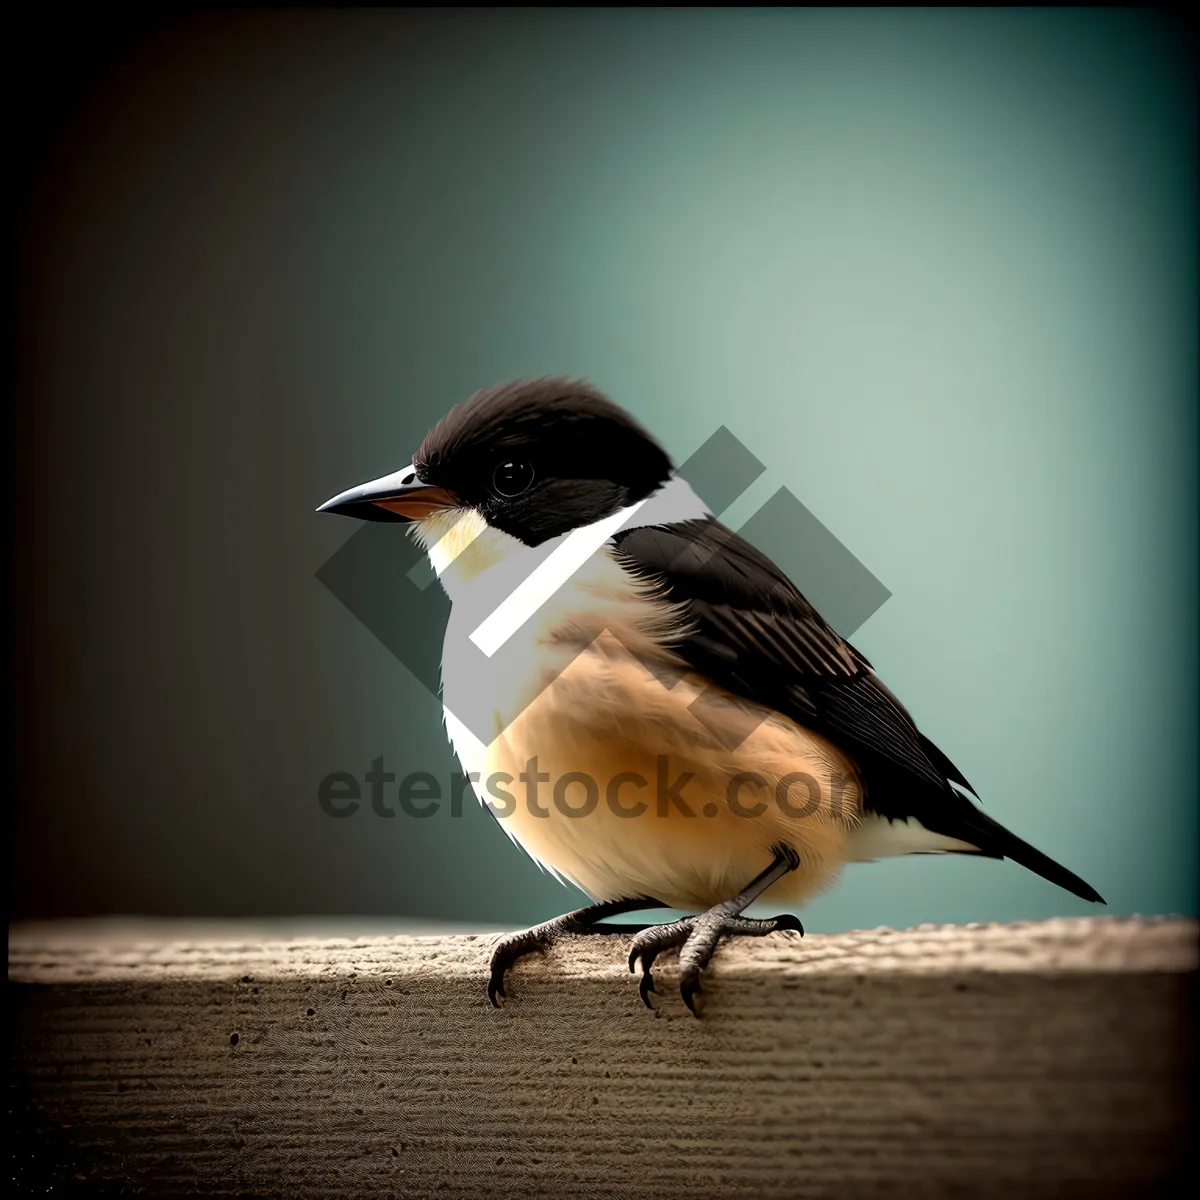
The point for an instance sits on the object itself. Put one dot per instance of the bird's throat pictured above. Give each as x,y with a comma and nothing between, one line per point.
461,544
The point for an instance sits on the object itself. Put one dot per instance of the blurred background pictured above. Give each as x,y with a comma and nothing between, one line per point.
935,269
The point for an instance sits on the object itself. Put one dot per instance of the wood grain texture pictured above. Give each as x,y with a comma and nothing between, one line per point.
1041,1059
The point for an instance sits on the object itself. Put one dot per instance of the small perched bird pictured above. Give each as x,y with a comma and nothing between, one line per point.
609,637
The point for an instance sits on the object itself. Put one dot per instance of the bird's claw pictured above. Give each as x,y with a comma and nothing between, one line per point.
649,944
515,946
643,957
696,938
500,965
645,987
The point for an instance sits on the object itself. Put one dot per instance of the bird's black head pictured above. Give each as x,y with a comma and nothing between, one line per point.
536,458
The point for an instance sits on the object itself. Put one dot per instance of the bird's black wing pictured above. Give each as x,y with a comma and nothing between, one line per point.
752,632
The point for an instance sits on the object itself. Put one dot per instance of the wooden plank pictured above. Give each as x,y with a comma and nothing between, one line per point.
1045,1058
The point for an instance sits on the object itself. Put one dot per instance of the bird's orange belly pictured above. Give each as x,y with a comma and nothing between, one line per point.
629,788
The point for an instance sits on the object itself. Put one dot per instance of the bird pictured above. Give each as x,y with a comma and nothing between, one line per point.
609,635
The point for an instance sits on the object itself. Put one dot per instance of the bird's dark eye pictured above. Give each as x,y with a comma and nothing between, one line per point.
512,478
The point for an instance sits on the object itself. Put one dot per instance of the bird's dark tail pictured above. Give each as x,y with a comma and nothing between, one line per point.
995,841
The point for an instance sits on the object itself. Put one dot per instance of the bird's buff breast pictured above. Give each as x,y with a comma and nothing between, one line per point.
647,782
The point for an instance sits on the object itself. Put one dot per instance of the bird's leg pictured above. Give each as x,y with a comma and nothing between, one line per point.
541,937
697,936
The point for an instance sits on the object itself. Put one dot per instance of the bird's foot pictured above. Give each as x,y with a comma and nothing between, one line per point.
529,941
697,938
541,937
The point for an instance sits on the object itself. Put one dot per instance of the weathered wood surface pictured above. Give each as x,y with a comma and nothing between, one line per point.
1027,1059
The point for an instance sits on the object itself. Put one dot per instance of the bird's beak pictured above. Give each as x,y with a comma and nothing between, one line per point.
400,496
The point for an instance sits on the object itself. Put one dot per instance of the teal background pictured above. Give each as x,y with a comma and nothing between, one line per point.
936,269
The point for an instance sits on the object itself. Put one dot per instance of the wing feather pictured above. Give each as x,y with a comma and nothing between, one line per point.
751,630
